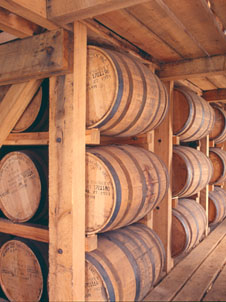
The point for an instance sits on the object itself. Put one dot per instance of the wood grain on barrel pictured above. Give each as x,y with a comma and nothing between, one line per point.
218,132
20,272
217,205
218,159
192,171
193,117
22,185
124,97
188,225
123,183
125,266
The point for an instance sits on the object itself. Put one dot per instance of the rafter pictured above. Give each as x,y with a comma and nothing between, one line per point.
194,68
68,11
34,11
16,25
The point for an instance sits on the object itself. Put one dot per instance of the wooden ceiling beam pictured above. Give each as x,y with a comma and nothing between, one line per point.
39,56
32,10
188,69
68,11
16,25
215,95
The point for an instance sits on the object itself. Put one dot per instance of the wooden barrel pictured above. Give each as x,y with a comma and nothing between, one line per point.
23,270
217,205
126,265
35,116
193,117
192,171
124,97
218,133
189,223
123,183
218,159
23,186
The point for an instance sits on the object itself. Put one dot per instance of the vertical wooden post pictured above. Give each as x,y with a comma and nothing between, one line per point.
164,148
67,178
204,194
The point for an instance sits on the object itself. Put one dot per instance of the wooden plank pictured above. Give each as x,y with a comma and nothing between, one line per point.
158,18
35,57
215,95
173,282
190,85
187,69
67,194
137,32
6,37
199,22
197,285
13,105
218,290
42,138
203,83
102,36
164,149
91,242
219,8
16,25
219,81
34,138
69,11
34,232
204,193
34,11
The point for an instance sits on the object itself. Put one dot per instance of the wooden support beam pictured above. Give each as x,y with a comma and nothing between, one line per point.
36,57
34,10
68,11
16,25
215,95
164,148
6,37
187,69
67,178
13,105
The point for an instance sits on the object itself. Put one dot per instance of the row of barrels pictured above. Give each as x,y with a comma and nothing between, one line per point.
123,182
125,98
189,220
124,267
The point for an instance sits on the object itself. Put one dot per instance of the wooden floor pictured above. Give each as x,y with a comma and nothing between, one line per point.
200,276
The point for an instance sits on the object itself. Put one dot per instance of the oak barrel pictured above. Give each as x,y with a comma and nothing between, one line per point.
192,171
189,223
123,183
124,97
35,116
23,186
218,159
193,117
127,263
217,205
218,133
23,270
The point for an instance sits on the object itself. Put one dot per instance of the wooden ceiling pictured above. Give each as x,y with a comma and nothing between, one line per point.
184,39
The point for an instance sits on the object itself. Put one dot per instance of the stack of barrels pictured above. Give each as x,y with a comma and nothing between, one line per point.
123,182
194,119
23,198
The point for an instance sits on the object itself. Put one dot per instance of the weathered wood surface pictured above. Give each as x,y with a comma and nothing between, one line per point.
215,95
13,105
177,278
34,11
206,66
69,11
38,56
67,197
